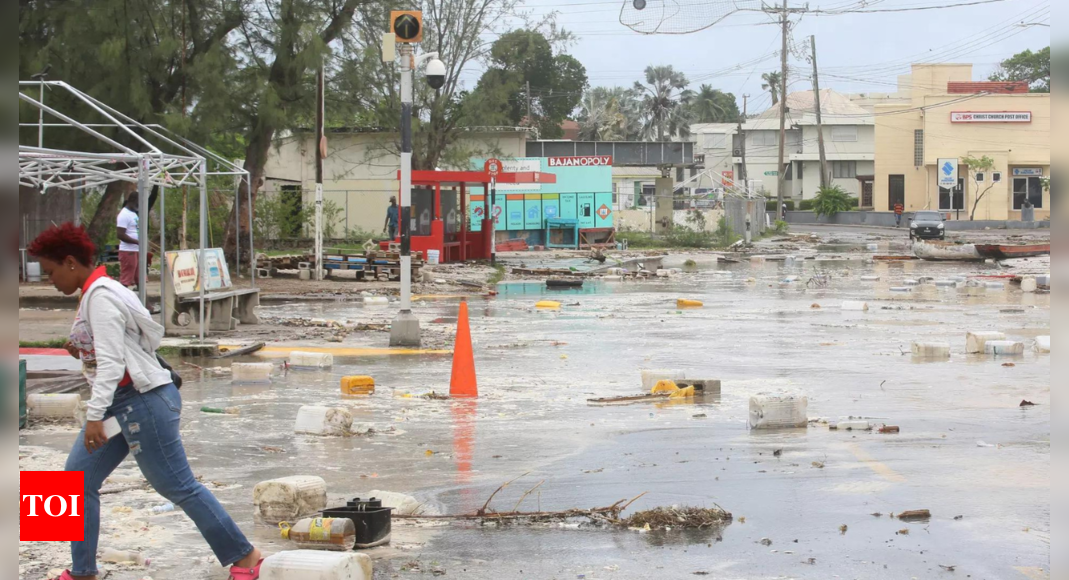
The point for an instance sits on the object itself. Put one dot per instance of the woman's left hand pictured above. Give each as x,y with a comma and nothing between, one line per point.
95,437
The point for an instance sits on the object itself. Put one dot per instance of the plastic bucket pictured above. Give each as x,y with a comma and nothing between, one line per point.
434,257
33,272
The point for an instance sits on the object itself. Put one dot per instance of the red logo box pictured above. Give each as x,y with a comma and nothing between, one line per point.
51,506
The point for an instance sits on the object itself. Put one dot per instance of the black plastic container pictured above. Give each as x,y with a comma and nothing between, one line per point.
374,523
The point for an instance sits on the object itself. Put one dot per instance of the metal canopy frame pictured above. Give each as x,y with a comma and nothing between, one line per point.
156,157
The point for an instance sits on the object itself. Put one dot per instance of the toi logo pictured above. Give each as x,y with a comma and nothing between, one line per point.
51,506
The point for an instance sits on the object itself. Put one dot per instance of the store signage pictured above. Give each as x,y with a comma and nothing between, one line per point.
948,173
590,161
991,117
1028,172
604,212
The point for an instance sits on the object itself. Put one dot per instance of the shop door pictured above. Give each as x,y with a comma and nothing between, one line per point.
896,191
866,194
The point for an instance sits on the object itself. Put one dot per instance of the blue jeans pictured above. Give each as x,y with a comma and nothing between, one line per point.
150,424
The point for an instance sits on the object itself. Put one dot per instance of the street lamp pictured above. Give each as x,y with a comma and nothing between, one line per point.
407,29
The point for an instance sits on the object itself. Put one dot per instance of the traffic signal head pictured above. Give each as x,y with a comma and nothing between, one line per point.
407,25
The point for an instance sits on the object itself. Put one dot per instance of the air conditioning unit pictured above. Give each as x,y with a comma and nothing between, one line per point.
738,153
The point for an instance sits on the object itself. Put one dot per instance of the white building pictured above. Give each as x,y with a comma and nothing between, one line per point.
849,138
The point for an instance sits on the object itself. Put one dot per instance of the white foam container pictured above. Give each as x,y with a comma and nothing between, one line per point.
1004,348
323,421
975,341
311,360
403,505
54,407
316,565
289,498
870,278
650,378
779,412
1043,344
251,372
855,306
1029,284
854,426
33,272
376,301
663,273
434,257
931,350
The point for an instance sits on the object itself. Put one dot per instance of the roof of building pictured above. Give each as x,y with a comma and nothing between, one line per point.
996,87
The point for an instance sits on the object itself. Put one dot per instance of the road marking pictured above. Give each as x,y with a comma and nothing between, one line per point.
880,469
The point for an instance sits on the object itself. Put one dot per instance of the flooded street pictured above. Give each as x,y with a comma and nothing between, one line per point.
967,450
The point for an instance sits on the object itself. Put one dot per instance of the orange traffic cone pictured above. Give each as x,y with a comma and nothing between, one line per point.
464,383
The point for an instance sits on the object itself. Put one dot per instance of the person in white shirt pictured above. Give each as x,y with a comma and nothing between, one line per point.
129,231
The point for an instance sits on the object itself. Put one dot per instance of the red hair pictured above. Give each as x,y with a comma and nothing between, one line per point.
59,242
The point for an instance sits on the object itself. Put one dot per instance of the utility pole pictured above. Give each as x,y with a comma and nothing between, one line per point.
743,175
824,175
785,21
321,145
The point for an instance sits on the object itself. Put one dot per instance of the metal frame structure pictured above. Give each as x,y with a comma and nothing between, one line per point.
153,156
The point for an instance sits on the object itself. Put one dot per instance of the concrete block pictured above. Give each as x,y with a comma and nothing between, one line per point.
975,341
870,278
344,274
251,372
1043,344
311,360
405,331
323,421
357,386
55,407
289,498
779,412
931,350
855,306
317,565
650,378
403,505
1004,348
1029,284
263,273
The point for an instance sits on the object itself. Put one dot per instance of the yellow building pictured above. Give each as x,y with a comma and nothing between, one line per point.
941,115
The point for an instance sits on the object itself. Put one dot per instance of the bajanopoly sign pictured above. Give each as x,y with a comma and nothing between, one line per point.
588,161
991,117
185,272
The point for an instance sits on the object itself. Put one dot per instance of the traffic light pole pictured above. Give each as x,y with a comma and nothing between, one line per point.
405,331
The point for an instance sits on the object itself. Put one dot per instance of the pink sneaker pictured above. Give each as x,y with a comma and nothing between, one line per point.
242,573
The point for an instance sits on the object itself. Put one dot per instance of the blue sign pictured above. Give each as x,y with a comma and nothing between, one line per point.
948,173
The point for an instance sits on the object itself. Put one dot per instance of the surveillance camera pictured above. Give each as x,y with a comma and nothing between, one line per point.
436,74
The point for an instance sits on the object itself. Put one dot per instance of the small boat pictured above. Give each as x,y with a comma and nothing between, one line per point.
564,283
1007,252
946,251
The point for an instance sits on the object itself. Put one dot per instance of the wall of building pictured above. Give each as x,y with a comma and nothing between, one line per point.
638,220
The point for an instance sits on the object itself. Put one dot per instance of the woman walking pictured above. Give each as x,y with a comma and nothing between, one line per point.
116,339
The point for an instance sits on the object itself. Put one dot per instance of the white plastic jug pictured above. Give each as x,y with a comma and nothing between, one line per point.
433,257
33,272
314,565
779,412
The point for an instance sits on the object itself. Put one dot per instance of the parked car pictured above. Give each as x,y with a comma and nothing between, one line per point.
928,225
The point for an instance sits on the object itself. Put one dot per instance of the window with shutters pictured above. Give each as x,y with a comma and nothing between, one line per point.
844,169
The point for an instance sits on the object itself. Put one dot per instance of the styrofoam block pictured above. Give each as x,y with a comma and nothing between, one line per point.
870,278
317,565
856,306
289,498
1029,284
251,372
650,378
403,505
323,421
55,407
975,341
932,350
311,360
376,301
1004,348
996,285
1043,344
852,426
779,412
663,273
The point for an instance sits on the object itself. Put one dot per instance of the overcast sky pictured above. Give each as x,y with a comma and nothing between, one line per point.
857,52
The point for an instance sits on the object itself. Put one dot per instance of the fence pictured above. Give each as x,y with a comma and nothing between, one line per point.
737,210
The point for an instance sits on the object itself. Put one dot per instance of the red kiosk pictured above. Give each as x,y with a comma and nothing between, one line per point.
440,210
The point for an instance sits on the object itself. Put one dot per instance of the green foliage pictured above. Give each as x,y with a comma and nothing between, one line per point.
724,236
665,101
279,217
771,205
332,215
696,220
53,343
1033,67
811,204
772,84
984,165
711,105
831,201
781,227
497,277
610,114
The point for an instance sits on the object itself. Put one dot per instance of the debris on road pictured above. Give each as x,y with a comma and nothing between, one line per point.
914,516
679,518
1027,404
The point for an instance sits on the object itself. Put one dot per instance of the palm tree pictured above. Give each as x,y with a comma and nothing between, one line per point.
772,83
714,106
664,103
609,114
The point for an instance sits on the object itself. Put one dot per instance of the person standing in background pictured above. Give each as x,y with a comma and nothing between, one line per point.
899,210
393,218
129,231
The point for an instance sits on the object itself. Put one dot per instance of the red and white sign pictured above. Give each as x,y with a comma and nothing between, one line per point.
493,167
991,117
590,161
51,506
728,178
604,212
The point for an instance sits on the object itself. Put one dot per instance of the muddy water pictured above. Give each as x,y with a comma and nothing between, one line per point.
756,333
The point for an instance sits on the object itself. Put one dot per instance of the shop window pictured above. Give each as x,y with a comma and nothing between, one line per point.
1027,188
918,148
844,169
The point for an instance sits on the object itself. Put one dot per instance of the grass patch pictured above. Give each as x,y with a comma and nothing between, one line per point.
497,277
54,343
640,240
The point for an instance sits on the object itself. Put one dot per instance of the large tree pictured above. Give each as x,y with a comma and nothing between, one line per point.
610,114
772,85
665,99
711,105
1033,67
527,84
